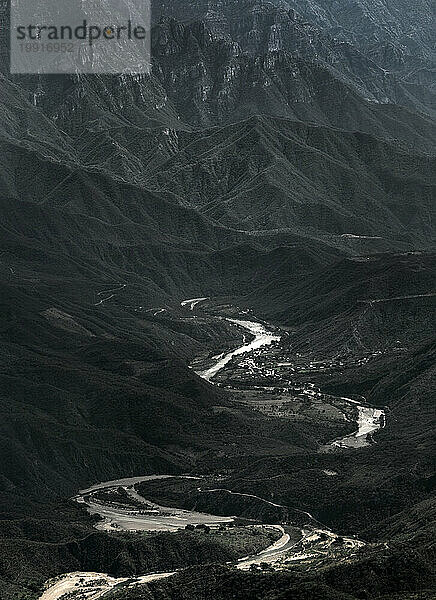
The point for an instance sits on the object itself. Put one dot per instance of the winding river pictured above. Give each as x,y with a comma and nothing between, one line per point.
159,518
369,419
119,518
262,337
152,517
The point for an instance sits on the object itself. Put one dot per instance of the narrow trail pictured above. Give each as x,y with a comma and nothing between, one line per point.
122,286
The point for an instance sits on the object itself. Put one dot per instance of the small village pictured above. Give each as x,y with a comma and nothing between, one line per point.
279,383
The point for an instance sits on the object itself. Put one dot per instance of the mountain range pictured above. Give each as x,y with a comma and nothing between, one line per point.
280,157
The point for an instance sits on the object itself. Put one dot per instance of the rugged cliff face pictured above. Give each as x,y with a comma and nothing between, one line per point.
385,49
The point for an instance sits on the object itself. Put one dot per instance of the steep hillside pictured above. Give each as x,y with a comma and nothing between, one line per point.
383,50
269,174
375,281
278,163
